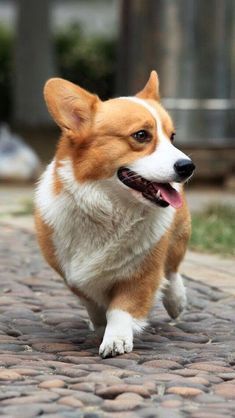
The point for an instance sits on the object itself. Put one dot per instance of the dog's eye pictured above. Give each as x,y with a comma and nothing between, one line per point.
142,136
172,136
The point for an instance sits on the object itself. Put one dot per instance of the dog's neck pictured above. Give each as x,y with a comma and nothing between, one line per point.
103,198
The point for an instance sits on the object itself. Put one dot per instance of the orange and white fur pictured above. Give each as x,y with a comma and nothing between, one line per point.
102,223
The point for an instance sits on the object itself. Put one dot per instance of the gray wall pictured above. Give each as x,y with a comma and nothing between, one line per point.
191,43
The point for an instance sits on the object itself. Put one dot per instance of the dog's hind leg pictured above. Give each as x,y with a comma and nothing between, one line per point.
97,316
174,294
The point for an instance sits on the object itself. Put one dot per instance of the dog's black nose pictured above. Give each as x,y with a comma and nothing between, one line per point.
184,168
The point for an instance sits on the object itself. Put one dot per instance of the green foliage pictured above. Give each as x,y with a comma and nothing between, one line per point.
27,208
6,46
89,62
214,230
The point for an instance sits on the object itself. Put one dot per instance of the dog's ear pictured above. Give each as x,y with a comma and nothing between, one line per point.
70,105
151,89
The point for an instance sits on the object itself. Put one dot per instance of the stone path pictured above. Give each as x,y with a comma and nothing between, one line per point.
211,269
48,357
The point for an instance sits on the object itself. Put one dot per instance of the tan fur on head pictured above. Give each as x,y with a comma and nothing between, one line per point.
98,134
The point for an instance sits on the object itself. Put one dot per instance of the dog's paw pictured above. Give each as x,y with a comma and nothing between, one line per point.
175,306
115,345
174,297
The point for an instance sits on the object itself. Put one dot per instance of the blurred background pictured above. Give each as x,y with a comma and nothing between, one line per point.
110,47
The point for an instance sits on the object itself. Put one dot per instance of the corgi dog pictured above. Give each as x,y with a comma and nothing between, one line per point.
111,216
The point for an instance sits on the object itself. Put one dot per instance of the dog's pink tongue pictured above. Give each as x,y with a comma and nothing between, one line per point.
170,195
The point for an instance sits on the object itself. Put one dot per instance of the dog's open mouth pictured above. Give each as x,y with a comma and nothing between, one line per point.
162,194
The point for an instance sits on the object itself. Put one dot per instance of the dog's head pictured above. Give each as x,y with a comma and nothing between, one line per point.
128,139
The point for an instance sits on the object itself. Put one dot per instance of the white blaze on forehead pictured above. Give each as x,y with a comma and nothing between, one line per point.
153,112
158,166
147,106
142,103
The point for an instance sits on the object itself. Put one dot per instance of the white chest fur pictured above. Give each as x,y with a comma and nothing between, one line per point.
99,238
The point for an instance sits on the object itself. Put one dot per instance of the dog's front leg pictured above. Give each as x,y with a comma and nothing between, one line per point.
130,303
118,336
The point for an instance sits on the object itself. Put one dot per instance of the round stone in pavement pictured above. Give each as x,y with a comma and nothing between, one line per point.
226,390
112,391
53,383
30,412
11,375
124,402
185,391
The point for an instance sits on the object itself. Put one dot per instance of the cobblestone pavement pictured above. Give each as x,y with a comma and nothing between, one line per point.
49,363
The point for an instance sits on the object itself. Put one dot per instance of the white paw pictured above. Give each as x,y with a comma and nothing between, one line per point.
115,345
174,296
